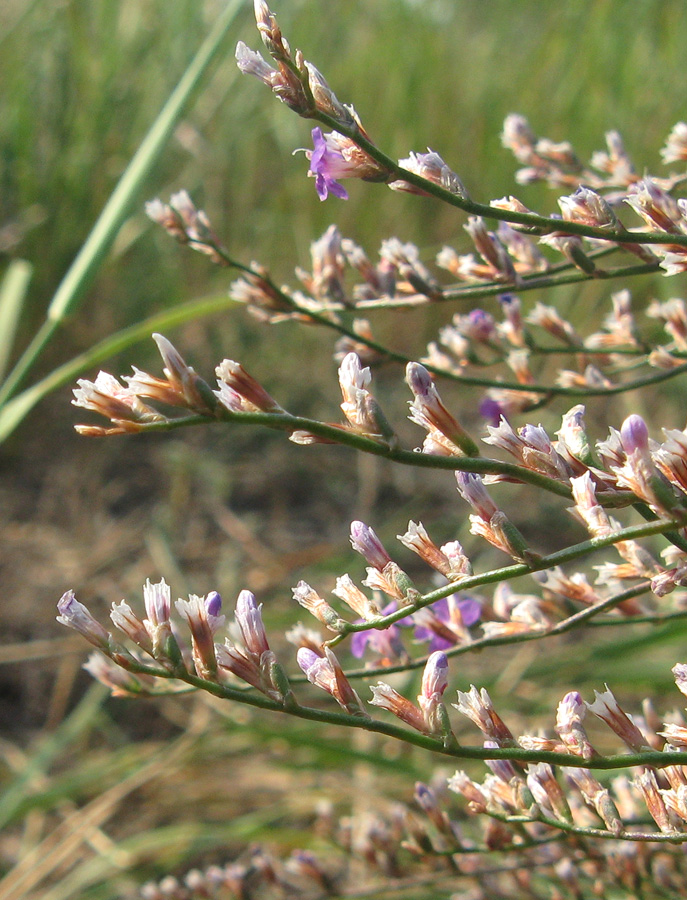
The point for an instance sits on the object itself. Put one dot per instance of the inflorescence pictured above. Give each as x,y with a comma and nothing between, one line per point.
541,801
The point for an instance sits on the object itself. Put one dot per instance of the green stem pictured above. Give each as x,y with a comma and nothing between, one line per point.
654,758
493,289
542,224
576,551
582,831
327,321
283,421
583,617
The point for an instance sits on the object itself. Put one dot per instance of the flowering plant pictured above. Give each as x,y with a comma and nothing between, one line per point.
546,801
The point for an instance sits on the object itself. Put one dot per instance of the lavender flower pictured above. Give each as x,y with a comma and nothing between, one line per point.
384,643
431,167
326,672
107,397
588,207
428,411
477,706
571,711
249,619
386,697
658,209
546,791
434,683
120,682
365,541
607,708
488,520
124,618
639,473
635,435
240,392
359,405
675,149
449,560
75,615
446,622
157,600
254,662
284,83
317,606
429,716
203,626
335,156
353,597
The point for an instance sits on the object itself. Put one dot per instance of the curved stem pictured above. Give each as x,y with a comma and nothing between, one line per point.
586,831
526,283
654,758
573,621
284,421
541,224
326,319
513,571
334,434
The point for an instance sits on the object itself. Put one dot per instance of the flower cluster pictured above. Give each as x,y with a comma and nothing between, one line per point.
627,467
187,224
545,795
163,651
516,791
582,802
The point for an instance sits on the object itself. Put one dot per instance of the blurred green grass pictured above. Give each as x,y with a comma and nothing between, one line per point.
82,81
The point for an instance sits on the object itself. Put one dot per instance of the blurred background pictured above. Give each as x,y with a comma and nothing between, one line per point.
218,508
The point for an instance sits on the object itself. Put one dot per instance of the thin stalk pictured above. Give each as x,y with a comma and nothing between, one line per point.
588,831
583,617
516,570
283,421
325,318
541,224
492,289
655,758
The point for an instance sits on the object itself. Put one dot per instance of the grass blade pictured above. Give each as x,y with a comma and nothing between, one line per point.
99,241
12,293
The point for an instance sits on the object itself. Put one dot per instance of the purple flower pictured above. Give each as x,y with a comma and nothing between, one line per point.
157,599
385,644
479,325
326,672
634,434
75,615
213,603
472,490
327,164
435,676
249,619
491,410
365,541
470,613
309,661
